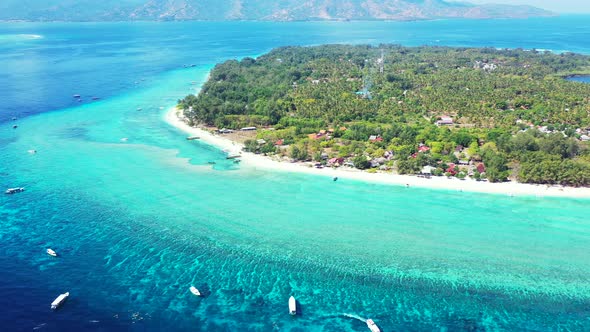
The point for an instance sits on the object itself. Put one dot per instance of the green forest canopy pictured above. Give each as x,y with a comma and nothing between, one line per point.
498,100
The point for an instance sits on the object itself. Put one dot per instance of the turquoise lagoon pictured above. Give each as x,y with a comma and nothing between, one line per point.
137,221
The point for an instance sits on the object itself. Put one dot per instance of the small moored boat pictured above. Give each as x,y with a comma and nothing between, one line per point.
59,300
192,138
11,191
372,326
51,252
76,96
195,291
292,306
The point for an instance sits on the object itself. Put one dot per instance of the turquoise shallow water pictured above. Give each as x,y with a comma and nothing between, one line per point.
137,222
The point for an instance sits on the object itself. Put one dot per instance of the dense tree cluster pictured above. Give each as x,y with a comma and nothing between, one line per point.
512,110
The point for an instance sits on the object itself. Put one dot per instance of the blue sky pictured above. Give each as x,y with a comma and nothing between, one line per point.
560,6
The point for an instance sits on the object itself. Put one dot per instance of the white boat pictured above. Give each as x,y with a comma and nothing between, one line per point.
11,191
372,326
292,306
32,151
51,252
59,300
124,139
195,291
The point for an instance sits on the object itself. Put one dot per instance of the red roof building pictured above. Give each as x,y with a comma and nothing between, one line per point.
334,161
423,148
451,169
375,138
481,168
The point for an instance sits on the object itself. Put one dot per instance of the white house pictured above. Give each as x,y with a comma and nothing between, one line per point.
444,121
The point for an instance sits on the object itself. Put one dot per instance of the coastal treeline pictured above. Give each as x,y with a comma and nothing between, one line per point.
484,113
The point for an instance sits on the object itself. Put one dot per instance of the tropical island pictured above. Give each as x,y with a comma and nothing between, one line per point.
259,10
485,114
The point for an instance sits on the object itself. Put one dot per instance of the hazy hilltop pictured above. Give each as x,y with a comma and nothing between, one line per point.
266,10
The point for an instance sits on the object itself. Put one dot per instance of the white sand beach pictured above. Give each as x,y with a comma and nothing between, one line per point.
260,162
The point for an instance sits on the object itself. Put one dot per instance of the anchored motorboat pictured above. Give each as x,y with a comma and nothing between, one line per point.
292,306
11,191
59,300
195,291
51,252
372,326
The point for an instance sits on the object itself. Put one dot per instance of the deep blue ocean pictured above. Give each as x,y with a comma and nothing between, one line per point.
138,220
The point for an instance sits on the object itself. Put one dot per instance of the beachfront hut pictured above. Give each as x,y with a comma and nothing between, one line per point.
378,162
481,168
451,169
336,162
427,170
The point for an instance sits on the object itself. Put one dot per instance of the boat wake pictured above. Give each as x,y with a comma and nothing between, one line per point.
40,326
355,317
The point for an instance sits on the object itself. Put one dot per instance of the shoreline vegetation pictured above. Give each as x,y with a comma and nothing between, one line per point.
176,118
483,114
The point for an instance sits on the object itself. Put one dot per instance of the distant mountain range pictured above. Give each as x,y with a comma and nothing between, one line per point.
263,10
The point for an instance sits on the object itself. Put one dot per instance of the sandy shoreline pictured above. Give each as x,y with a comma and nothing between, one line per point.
253,161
